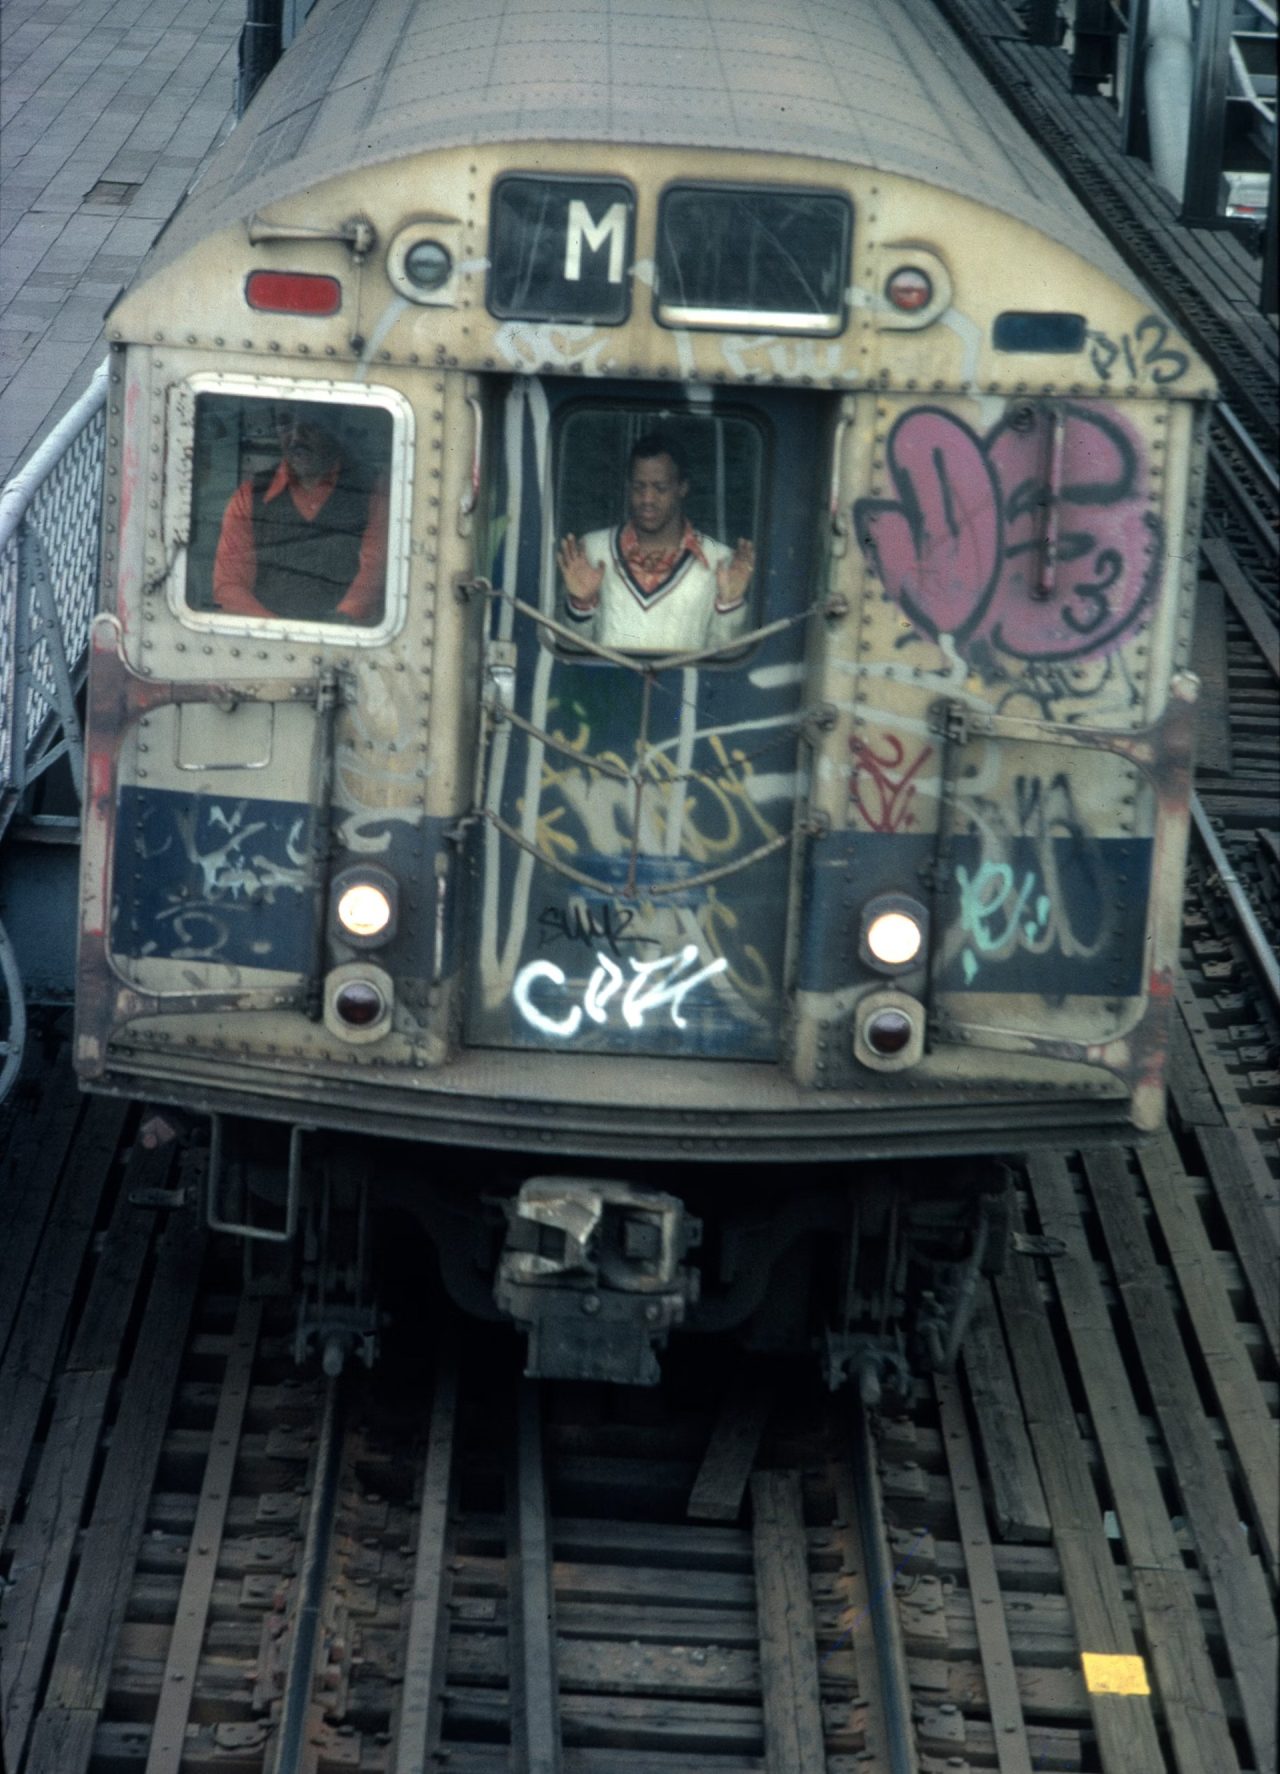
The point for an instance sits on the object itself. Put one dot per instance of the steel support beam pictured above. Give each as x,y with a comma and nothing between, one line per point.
1201,195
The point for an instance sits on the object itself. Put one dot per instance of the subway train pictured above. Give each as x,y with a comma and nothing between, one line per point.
639,712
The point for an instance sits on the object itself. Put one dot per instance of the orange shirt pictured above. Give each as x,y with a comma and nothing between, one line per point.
235,565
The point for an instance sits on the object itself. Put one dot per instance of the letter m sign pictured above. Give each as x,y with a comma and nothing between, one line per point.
583,230
560,249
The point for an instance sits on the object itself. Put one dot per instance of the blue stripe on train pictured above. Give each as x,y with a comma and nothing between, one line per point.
1051,915
228,878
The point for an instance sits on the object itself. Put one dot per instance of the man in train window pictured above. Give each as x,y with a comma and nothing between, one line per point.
307,540
653,584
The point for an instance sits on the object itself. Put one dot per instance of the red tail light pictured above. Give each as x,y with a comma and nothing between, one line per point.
909,289
292,292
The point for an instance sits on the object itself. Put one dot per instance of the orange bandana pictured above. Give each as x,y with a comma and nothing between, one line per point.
650,567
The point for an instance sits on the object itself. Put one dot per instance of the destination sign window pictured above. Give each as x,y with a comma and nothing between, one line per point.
561,249
768,260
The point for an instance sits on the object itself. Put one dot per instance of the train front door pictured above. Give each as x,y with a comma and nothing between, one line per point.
656,562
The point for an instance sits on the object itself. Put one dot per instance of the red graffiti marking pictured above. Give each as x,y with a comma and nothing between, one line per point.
100,776
886,804
976,546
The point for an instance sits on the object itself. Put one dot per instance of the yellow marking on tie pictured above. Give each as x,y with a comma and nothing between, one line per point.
1109,1674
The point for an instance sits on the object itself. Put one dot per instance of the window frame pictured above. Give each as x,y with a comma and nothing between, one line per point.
180,493
679,318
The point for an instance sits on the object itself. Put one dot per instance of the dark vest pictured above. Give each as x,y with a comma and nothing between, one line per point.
306,569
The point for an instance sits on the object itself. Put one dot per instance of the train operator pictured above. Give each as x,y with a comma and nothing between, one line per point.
306,541
653,583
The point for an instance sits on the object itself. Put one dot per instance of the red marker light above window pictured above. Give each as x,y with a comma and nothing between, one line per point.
292,292
909,289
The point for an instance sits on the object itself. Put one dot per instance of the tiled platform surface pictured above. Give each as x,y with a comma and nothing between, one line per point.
129,95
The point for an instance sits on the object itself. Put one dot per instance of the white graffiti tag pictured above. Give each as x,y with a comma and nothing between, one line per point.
655,984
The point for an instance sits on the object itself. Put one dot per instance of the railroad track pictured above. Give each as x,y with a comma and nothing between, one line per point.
215,1561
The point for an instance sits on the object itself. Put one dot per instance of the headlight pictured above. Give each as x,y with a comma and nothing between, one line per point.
364,902
895,928
894,938
364,910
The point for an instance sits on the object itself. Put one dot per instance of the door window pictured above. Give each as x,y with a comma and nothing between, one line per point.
657,523
291,518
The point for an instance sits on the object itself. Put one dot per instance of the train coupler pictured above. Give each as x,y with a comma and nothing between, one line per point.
593,1271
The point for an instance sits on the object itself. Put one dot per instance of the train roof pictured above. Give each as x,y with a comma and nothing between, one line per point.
876,83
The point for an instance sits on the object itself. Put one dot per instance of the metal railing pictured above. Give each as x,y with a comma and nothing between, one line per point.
50,519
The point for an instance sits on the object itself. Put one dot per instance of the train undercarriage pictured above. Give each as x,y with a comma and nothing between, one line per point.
873,1268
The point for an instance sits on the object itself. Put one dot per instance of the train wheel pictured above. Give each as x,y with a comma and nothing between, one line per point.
13,1016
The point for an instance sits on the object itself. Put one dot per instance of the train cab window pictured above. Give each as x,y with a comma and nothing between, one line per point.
289,513
768,260
657,524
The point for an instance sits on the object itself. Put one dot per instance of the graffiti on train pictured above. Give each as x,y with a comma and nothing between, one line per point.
209,879
589,924
1147,347
1037,885
706,815
653,986
1036,543
883,784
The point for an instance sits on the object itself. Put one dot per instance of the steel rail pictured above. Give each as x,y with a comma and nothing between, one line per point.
1244,599
535,1687
1261,949
891,1666
286,1753
1259,461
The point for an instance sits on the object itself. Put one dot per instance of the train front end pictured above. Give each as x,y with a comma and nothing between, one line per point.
672,673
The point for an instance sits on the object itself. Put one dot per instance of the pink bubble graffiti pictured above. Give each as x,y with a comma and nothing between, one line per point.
962,548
